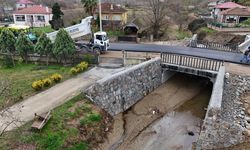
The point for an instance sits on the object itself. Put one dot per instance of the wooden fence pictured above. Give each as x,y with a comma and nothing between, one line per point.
215,46
191,61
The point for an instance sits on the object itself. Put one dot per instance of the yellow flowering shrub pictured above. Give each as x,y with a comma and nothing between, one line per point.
37,85
56,77
73,70
47,82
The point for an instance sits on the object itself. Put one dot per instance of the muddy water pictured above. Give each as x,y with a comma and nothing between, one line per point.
167,119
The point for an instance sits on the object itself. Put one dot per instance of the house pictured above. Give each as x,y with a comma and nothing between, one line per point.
213,3
34,16
113,15
222,7
20,4
234,15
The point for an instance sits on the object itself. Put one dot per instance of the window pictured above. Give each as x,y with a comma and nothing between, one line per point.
117,17
99,37
105,17
41,18
20,18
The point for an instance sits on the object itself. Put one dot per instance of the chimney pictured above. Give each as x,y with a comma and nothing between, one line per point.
47,9
111,7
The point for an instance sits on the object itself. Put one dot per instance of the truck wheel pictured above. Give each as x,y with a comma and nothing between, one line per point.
97,50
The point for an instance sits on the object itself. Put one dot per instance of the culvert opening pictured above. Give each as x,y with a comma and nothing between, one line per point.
181,104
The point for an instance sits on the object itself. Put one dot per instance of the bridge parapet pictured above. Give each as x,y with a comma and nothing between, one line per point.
228,47
190,64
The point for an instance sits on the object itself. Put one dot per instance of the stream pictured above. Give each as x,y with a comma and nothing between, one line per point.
169,118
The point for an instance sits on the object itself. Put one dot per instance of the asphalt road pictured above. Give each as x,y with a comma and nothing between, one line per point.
153,48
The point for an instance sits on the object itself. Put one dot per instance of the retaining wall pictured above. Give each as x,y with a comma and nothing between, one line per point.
216,132
120,91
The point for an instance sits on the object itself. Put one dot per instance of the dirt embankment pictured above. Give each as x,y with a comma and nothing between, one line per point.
130,128
224,38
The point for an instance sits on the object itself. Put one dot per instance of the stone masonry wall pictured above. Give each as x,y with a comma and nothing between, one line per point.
224,124
120,91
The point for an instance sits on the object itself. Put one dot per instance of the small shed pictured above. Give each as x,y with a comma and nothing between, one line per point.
131,29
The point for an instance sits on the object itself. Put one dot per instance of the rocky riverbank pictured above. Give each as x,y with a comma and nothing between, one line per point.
232,126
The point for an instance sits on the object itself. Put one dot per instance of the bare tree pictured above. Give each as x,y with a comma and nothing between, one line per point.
179,14
156,15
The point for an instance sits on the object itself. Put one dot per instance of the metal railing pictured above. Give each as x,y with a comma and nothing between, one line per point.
191,61
230,47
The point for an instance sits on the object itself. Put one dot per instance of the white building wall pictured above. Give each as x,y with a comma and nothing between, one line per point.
21,6
36,23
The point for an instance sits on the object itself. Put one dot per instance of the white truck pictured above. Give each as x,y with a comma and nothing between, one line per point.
244,46
99,42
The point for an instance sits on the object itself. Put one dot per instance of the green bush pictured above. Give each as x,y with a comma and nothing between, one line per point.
90,59
207,30
95,117
56,77
197,24
182,35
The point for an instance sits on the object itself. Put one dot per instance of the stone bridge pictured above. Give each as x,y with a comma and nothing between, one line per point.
120,91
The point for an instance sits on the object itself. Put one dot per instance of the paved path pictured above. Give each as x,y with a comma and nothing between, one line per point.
206,53
23,112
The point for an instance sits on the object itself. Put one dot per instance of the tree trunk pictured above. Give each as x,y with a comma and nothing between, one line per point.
13,61
65,61
26,58
156,29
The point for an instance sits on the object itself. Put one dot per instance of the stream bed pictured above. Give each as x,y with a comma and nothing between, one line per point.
169,118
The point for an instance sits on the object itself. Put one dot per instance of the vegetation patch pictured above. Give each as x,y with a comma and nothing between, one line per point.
207,30
64,130
40,30
20,78
180,35
83,66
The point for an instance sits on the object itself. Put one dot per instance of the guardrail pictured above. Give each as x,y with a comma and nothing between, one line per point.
191,61
230,47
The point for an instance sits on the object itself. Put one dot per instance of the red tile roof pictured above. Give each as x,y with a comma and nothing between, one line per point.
36,9
229,5
24,2
237,11
112,8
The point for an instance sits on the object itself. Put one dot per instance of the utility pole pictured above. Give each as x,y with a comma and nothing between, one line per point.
100,15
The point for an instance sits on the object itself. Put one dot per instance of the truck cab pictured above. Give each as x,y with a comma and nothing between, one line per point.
101,41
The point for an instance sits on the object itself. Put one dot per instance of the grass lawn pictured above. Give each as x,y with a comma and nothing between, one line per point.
207,30
20,78
76,125
39,30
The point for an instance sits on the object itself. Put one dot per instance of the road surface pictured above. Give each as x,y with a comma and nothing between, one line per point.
153,48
